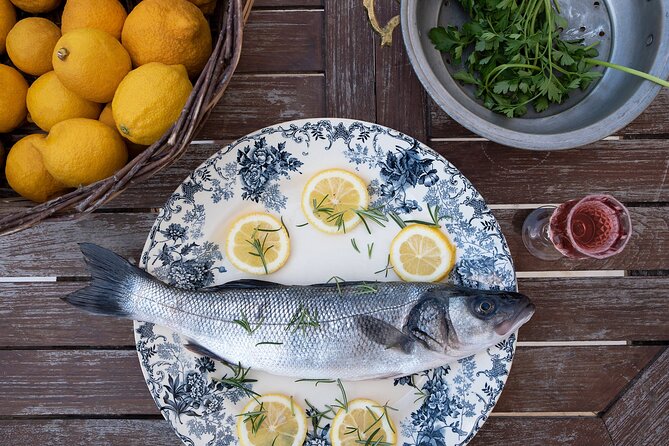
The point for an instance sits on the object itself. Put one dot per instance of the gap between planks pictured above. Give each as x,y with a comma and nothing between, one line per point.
465,139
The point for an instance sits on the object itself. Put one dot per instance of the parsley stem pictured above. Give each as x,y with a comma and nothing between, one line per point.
628,70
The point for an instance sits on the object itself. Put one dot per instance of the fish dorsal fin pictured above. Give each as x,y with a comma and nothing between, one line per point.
385,334
204,351
244,284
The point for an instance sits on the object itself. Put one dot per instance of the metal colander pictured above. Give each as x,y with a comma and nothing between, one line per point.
632,33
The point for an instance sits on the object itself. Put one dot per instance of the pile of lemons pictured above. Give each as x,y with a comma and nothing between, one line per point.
104,85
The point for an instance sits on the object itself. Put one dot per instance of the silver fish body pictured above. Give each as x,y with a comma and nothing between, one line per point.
353,331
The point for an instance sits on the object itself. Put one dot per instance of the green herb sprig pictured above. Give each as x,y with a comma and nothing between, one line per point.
303,319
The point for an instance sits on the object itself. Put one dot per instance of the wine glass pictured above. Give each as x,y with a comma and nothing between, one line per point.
597,227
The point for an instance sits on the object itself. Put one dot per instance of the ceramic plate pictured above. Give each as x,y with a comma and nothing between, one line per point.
266,171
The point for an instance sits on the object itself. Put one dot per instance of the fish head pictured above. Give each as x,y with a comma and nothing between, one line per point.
479,318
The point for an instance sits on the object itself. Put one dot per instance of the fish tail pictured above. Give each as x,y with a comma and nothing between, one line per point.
111,290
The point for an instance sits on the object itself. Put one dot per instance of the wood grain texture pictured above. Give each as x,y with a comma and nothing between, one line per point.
283,41
254,101
73,382
90,432
626,309
33,315
648,249
633,171
400,98
641,416
94,382
349,61
571,379
286,3
544,431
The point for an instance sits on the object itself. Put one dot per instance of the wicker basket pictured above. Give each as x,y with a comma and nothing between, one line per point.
227,24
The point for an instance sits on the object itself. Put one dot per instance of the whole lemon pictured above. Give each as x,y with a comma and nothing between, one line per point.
106,15
149,100
206,6
26,173
168,31
13,89
30,45
36,6
91,63
49,102
107,118
81,151
7,21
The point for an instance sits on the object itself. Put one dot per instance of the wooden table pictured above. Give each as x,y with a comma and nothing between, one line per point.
592,367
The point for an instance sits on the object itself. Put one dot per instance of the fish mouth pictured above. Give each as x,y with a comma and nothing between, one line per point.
521,317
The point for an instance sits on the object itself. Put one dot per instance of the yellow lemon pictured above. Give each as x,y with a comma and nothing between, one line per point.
13,89
36,6
49,102
30,45
206,6
363,422
168,31
7,21
149,100
330,199
106,15
272,420
26,173
257,244
91,63
421,253
81,151
107,118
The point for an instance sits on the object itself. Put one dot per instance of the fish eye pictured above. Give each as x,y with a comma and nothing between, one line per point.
485,307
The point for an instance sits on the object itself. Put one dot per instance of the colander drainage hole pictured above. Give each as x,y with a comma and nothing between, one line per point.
649,40
596,4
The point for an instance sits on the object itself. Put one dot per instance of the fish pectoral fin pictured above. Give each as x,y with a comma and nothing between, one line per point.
204,351
243,284
385,334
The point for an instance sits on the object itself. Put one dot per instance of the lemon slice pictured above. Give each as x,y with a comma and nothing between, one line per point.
365,422
272,420
329,198
421,253
257,244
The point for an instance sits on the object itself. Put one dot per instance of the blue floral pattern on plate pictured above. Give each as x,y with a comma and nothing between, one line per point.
264,171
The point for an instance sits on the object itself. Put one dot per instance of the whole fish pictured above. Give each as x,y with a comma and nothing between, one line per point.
352,331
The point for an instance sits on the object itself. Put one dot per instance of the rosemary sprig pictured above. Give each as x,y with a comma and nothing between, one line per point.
355,245
343,402
337,280
387,268
370,248
239,379
285,227
246,325
434,215
303,319
258,247
385,408
374,214
268,343
256,417
365,288
302,225
397,219
318,206
317,415
316,381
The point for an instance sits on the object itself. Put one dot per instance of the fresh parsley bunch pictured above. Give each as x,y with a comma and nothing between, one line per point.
513,54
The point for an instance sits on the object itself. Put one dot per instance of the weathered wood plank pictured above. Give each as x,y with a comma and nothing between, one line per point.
286,3
601,309
283,41
256,101
400,98
648,249
633,171
641,416
33,315
597,309
571,379
50,249
93,382
545,431
349,61
516,431
68,432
